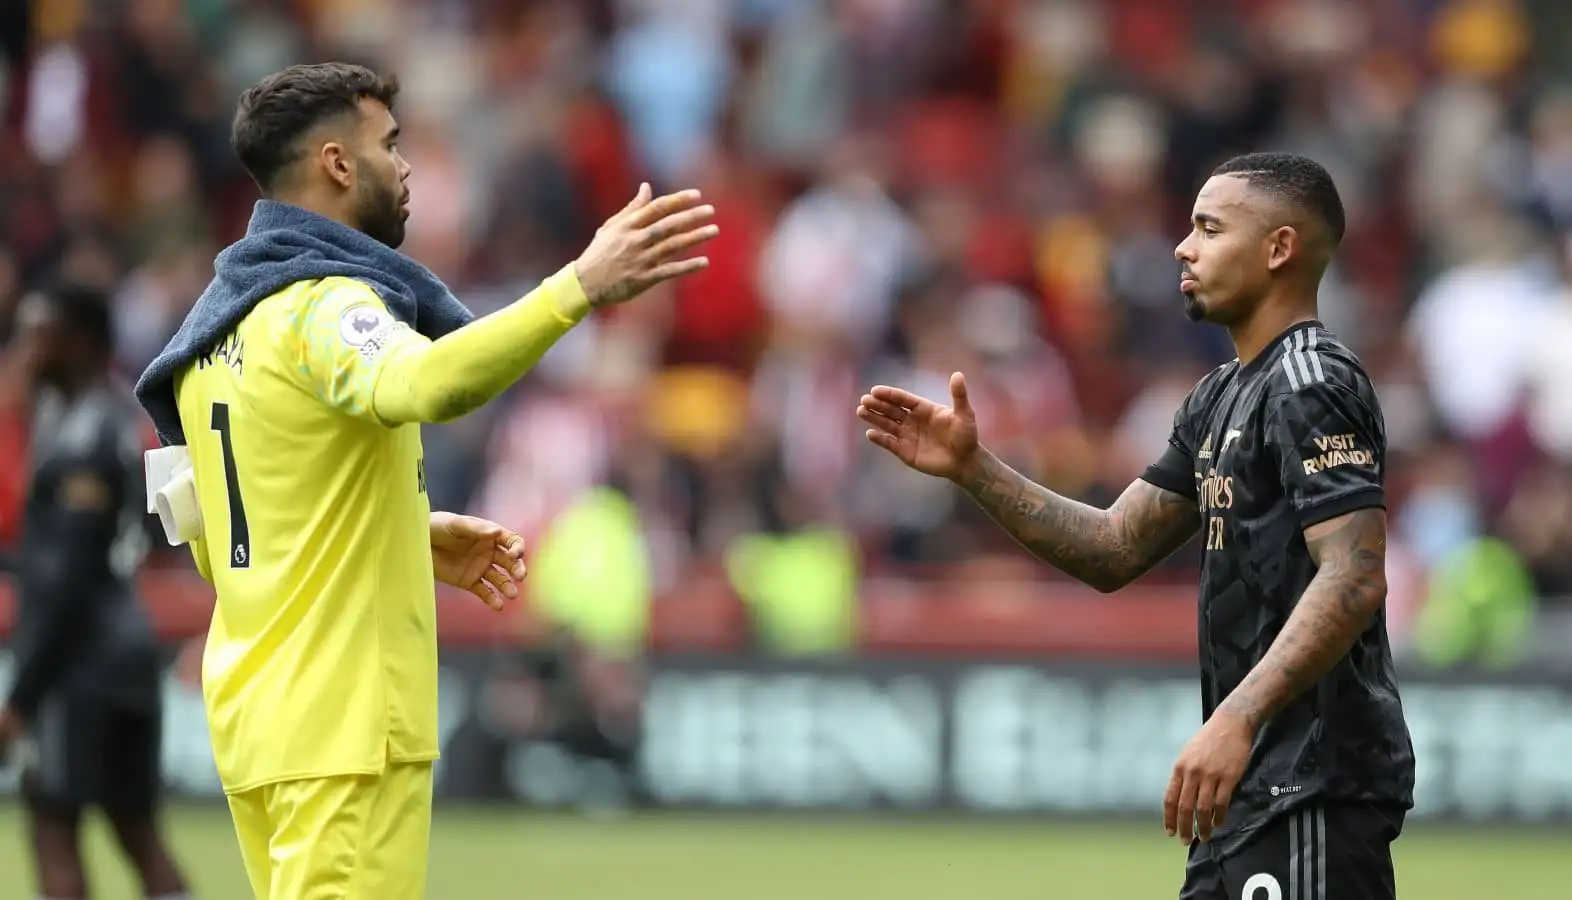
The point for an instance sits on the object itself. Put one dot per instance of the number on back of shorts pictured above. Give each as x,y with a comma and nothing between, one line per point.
1262,887
239,530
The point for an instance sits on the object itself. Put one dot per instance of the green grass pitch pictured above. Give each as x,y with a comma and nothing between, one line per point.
503,855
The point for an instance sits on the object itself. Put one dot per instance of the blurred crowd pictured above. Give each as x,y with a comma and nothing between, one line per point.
905,188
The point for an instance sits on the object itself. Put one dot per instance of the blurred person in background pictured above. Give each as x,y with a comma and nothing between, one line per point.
1278,457
572,707
87,691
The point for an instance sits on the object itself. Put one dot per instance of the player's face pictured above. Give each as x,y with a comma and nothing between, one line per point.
1223,260
40,339
381,196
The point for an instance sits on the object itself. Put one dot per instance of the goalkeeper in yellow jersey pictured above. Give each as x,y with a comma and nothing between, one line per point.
289,403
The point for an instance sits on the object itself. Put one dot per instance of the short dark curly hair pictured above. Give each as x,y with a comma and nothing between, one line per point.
1296,180
275,113
84,309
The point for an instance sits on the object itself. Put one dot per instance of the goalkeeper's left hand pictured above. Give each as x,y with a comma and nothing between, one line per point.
481,557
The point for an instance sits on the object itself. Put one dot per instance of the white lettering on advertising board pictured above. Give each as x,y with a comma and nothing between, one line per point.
794,740
1024,740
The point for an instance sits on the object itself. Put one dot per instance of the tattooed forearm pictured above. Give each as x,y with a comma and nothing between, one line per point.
1346,593
1106,548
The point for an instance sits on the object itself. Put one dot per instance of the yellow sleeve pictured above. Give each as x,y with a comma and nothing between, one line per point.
361,361
344,339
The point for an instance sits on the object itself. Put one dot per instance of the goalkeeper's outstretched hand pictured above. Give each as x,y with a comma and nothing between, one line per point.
644,245
481,557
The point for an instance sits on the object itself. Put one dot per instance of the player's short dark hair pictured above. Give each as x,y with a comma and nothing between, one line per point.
1295,180
84,311
276,112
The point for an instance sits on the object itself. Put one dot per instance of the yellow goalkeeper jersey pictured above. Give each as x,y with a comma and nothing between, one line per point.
322,655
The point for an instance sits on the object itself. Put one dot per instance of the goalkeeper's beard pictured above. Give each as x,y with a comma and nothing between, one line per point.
381,213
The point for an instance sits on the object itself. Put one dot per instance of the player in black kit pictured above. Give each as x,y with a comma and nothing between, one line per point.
1301,775
86,691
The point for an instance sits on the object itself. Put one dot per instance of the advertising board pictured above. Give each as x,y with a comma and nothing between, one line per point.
980,737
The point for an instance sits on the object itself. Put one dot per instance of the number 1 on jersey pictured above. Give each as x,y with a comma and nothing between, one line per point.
239,531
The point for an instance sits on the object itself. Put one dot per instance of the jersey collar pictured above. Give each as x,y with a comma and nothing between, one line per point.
1269,352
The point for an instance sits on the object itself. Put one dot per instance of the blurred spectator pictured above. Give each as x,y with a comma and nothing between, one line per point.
577,713
1547,375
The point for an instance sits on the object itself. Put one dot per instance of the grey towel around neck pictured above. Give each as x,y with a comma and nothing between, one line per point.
285,244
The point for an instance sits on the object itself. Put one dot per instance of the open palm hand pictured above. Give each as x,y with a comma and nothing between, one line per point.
933,439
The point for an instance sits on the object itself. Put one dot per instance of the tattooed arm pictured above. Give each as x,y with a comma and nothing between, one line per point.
1346,593
1105,548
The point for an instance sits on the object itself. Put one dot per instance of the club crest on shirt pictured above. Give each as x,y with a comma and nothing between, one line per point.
360,324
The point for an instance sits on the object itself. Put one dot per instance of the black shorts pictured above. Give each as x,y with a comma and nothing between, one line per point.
1330,852
89,752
